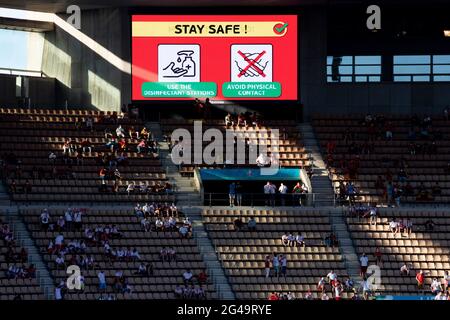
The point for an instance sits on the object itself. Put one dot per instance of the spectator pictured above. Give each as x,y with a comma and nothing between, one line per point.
188,277
283,191
408,226
202,278
299,241
364,262
184,232
435,286
102,281
268,193
445,281
420,278
120,132
251,225
321,285
238,190
429,225
59,291
283,263
45,220
332,278
378,257
267,266
394,226
232,193
276,265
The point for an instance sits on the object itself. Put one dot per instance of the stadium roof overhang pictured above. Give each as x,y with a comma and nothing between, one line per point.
58,6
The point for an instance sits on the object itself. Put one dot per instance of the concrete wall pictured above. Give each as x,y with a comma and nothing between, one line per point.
41,91
84,77
318,96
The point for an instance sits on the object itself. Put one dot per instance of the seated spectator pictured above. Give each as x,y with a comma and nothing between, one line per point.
300,241
188,277
435,286
429,225
184,232
52,158
130,188
202,278
238,224
120,132
285,239
251,225
138,211
178,292
159,225
393,226
60,263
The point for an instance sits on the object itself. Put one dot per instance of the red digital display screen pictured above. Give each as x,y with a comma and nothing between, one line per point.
223,57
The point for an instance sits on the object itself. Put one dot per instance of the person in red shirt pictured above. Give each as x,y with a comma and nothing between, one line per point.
420,278
378,256
273,297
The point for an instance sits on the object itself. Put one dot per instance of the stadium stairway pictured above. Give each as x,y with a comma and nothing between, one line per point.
186,193
320,181
346,246
189,201
24,239
209,254
4,197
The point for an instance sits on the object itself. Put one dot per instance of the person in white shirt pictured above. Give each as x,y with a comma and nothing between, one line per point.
283,189
393,226
373,216
77,220
159,225
59,242
435,286
69,218
321,285
130,188
404,270
261,160
45,220
364,262
284,239
120,132
60,262
187,277
332,277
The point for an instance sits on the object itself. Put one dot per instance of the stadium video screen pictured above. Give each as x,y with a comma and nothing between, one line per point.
223,57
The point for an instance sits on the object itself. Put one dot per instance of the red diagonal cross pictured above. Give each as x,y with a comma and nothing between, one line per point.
251,64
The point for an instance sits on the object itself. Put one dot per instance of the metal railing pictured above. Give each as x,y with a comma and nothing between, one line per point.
22,72
269,200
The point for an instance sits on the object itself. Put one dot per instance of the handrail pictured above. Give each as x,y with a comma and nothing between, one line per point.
261,199
22,72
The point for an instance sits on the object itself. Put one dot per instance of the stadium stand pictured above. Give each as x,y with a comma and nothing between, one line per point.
290,149
30,136
425,248
17,275
161,283
412,166
243,252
